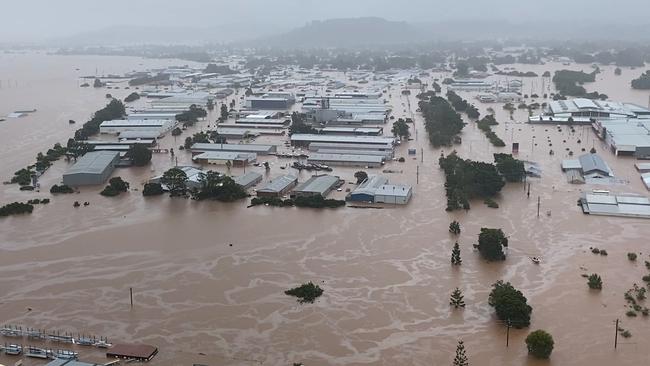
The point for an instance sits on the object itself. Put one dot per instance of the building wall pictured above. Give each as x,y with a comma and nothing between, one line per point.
269,104
86,179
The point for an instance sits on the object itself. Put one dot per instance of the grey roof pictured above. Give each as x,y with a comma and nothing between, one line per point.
342,158
256,148
278,184
334,145
593,163
371,184
355,152
589,105
94,162
616,205
569,164
248,178
318,184
371,140
147,134
226,155
393,190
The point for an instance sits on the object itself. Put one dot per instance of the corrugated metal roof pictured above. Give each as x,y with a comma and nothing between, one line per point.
278,184
248,178
377,159
593,163
318,184
94,162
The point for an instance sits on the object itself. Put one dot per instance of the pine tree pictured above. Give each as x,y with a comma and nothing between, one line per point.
460,359
456,299
455,255
454,227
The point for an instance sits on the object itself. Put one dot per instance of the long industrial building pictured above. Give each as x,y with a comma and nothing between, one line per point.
248,180
367,161
235,159
625,136
585,111
306,139
93,168
122,125
251,148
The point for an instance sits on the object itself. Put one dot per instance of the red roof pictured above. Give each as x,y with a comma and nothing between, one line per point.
137,351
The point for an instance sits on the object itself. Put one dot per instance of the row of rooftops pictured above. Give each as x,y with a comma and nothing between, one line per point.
584,105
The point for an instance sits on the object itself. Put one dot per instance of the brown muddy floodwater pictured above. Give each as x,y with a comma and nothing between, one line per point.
386,273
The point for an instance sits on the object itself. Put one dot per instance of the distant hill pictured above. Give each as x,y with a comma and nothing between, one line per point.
348,32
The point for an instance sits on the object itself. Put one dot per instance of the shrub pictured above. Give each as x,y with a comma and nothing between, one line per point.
491,203
540,344
631,313
603,252
626,334
305,293
61,189
594,282
595,250
631,256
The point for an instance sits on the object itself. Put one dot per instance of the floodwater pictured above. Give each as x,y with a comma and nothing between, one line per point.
385,272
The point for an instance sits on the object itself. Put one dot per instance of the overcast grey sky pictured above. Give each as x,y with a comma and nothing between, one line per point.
40,19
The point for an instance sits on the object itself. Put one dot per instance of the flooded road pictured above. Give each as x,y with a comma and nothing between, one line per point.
386,273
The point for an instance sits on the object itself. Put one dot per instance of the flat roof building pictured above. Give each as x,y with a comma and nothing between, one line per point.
306,139
278,186
123,125
252,148
369,161
615,205
93,168
235,159
316,185
583,110
248,180
360,131
263,121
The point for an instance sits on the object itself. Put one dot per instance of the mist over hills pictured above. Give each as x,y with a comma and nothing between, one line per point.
353,33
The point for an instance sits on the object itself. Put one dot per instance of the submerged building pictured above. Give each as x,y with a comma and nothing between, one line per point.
376,189
93,168
317,185
278,187
586,111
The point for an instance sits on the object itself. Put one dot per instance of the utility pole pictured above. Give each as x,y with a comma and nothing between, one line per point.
508,325
422,155
538,202
417,175
616,335
131,293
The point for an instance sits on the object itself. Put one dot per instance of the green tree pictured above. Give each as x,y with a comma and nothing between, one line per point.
401,129
595,282
491,243
360,176
132,97
455,255
540,344
175,180
298,125
224,112
510,304
218,187
460,359
510,168
139,154
152,189
456,299
454,227
118,184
